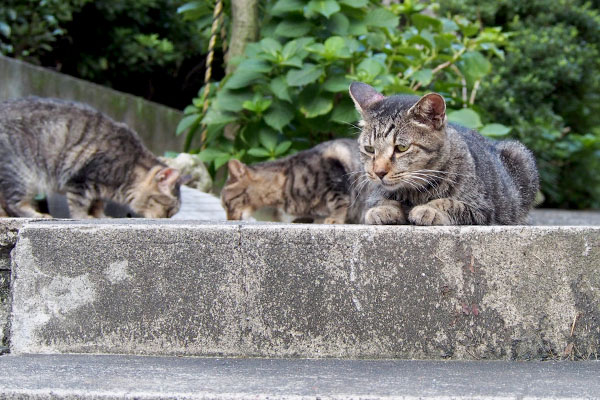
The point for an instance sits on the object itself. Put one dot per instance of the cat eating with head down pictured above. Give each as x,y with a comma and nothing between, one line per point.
316,184
55,146
425,171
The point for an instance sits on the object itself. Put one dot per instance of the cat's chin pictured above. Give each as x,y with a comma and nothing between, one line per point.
391,187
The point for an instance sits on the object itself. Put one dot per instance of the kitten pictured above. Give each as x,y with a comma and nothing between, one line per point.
49,145
314,184
425,171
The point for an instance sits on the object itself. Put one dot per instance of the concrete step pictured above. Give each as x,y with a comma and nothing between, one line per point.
129,377
310,291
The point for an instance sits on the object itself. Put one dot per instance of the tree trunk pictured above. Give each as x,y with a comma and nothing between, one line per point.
244,29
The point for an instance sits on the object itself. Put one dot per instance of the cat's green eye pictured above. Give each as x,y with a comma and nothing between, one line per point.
401,149
369,149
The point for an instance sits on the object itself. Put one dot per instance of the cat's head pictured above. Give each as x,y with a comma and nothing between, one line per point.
402,136
248,189
157,194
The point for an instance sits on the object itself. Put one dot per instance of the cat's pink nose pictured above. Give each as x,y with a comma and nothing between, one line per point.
381,174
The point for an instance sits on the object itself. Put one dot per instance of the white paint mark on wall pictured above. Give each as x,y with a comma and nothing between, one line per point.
587,248
118,272
356,303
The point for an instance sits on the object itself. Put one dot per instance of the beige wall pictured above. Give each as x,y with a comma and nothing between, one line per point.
155,123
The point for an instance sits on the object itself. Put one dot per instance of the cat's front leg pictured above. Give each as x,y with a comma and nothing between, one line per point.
436,212
386,212
79,206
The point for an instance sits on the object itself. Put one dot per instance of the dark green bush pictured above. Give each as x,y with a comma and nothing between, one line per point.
143,47
548,89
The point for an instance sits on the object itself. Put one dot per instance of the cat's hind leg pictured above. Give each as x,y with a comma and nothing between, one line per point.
18,202
337,205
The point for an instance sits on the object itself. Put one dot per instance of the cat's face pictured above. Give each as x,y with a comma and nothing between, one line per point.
248,189
401,137
158,195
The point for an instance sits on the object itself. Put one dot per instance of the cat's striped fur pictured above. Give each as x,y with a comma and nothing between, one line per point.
55,146
317,185
425,171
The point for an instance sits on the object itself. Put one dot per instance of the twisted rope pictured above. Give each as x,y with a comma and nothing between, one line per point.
217,19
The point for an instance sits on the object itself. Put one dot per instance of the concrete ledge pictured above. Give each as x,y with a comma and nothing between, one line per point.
274,290
126,377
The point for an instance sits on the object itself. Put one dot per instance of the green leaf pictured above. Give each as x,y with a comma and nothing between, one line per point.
382,18
370,66
270,45
337,83
285,6
423,76
324,7
268,139
279,115
186,122
293,62
4,29
229,100
338,24
495,130
345,113
280,88
282,147
313,107
304,76
474,65
259,152
222,160
355,3
214,117
357,27
242,78
257,105
335,47
465,117
422,21
210,154
293,29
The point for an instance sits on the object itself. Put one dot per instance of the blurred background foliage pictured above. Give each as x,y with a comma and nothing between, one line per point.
527,70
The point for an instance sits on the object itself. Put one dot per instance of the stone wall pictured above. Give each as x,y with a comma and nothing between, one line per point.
155,123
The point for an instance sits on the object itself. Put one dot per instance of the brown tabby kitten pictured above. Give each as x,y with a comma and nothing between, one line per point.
314,184
49,145
425,171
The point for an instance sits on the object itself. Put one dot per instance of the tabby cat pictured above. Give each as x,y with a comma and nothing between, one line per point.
311,185
49,145
425,171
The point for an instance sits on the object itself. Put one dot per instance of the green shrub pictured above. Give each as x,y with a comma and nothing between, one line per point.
143,47
290,91
29,28
548,89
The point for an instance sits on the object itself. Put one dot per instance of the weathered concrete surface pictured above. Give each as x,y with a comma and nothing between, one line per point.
9,228
275,290
548,216
129,377
154,123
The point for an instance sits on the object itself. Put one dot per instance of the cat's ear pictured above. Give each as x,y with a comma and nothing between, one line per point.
430,110
167,178
237,169
364,96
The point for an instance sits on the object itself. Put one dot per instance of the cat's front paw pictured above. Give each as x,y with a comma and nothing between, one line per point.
427,215
385,215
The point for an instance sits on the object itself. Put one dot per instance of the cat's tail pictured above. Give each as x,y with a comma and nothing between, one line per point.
520,163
